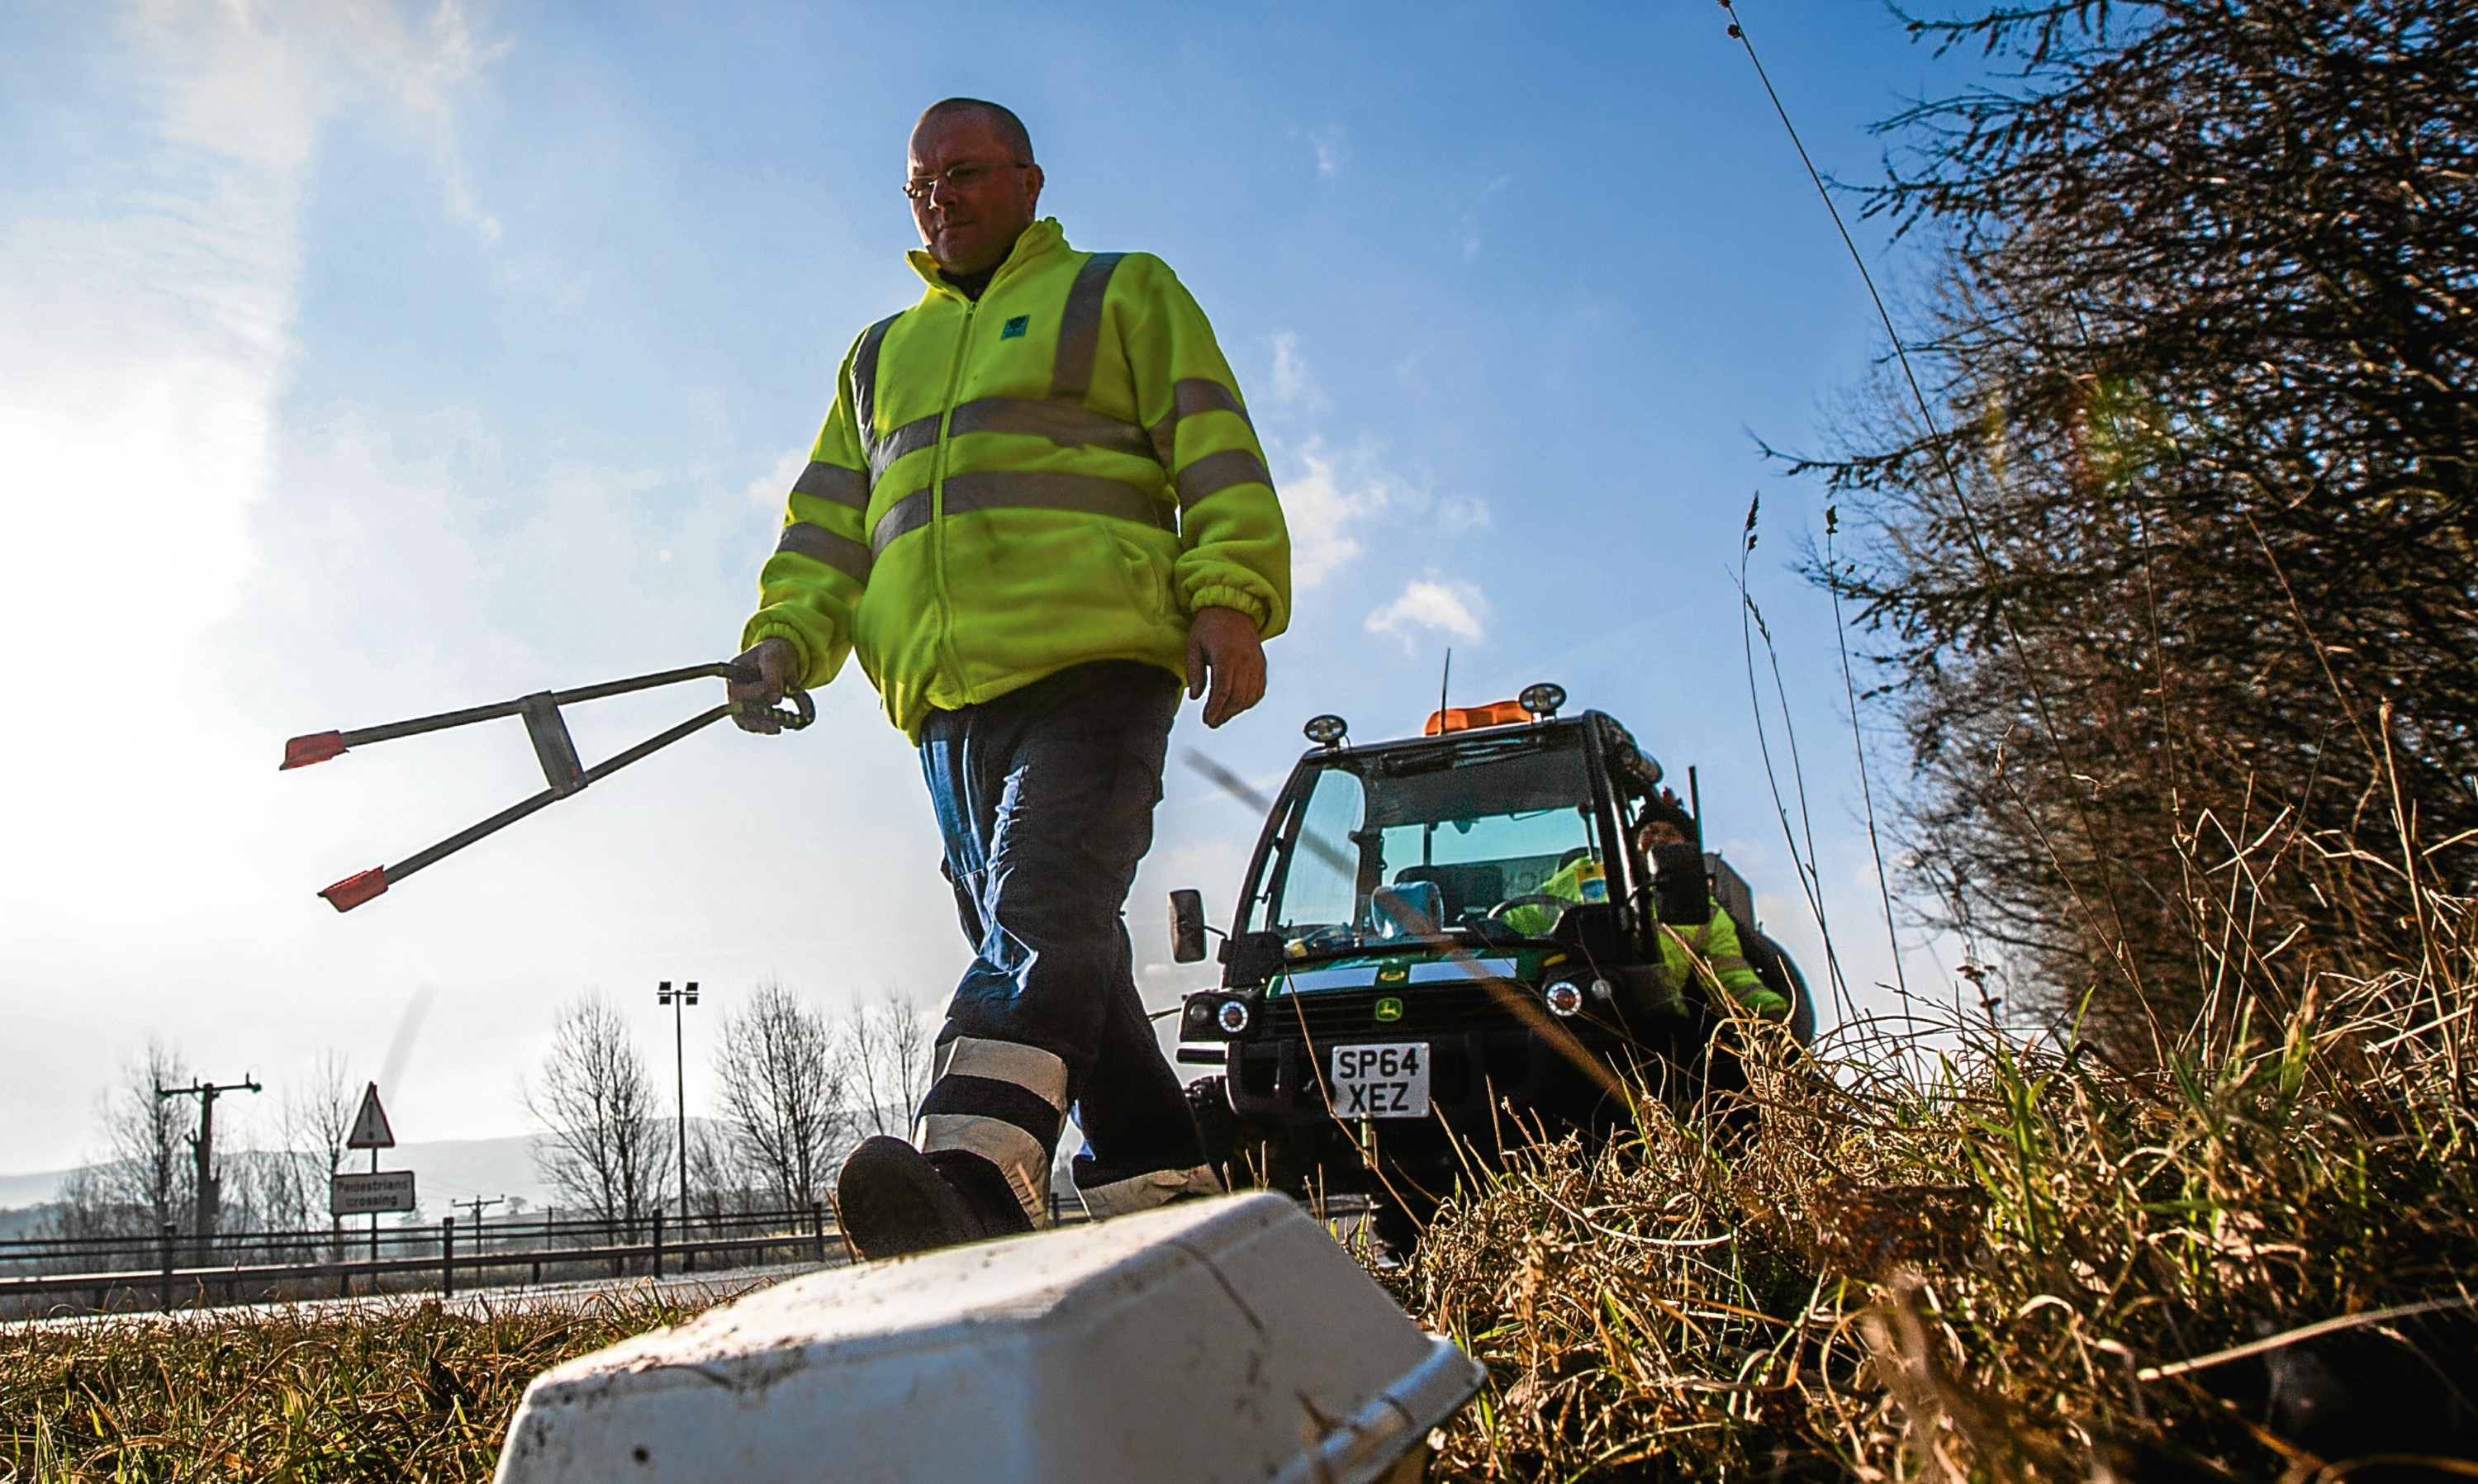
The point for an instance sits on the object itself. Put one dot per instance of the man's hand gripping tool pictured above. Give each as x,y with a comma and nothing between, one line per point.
552,745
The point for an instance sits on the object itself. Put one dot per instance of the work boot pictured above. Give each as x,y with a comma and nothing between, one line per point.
893,1201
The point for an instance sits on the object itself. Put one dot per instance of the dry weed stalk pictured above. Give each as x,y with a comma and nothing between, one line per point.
1993,1271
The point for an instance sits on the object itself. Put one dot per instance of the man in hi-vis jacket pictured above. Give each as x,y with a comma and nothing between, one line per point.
1037,507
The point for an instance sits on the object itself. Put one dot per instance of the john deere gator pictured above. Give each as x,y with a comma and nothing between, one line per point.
1401,996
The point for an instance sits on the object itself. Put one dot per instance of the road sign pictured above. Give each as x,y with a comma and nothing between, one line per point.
388,1190
371,1129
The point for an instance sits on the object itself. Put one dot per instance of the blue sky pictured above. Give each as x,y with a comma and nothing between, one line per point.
360,360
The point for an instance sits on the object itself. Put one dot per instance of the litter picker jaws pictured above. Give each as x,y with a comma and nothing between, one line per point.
552,746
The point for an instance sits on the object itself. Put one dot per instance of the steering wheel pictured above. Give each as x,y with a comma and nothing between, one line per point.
1555,904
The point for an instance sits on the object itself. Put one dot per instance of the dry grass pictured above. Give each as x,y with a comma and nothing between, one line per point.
1974,1273
386,1392
1991,1268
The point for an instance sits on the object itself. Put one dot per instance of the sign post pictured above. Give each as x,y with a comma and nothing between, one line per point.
370,1132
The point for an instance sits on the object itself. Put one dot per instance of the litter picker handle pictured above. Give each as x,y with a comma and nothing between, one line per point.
320,746
553,749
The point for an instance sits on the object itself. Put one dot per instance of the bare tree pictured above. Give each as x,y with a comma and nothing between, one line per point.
146,1176
288,1185
723,1179
785,1089
2171,573
606,1141
890,1044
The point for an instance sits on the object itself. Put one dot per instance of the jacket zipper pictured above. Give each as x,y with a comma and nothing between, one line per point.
938,496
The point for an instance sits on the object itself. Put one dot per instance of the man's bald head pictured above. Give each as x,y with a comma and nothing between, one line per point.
1008,129
973,183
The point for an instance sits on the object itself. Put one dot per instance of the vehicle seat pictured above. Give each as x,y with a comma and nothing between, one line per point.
1477,886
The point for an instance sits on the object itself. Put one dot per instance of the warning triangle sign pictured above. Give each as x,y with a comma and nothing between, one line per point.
371,1129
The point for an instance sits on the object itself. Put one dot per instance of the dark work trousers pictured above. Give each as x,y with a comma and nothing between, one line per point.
1046,798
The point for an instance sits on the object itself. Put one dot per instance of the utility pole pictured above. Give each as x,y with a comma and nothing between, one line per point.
203,1145
664,995
477,1205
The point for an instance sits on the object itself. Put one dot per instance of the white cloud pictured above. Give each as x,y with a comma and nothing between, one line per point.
1326,144
1294,385
1329,497
1455,608
1460,513
770,488
145,343
1322,504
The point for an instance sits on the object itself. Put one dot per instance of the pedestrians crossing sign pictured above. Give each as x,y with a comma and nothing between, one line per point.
371,1129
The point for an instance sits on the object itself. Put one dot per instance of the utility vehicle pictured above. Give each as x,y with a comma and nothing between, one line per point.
1400,996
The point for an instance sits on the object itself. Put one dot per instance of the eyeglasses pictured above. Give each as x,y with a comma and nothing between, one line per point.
957,177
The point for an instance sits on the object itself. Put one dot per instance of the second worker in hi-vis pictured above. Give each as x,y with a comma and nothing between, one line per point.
1036,509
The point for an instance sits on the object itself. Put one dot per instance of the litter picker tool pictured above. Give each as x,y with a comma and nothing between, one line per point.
552,748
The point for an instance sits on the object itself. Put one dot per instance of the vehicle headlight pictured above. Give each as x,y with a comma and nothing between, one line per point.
1563,997
1232,1016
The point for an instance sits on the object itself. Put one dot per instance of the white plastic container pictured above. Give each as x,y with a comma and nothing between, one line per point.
1220,1342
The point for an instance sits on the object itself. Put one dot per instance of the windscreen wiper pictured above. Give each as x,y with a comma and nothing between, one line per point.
553,749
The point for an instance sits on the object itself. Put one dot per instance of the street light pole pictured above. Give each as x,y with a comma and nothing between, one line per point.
675,998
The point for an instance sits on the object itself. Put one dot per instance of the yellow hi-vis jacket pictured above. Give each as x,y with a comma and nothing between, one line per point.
1058,473
1708,953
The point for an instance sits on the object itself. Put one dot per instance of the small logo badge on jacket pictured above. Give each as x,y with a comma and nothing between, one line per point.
1016,327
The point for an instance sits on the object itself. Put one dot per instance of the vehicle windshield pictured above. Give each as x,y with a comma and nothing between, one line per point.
1389,848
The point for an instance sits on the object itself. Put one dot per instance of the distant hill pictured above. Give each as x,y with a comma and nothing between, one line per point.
443,1170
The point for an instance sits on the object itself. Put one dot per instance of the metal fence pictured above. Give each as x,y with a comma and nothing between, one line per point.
174,1270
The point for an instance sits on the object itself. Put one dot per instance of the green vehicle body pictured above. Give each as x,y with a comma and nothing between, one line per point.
1344,946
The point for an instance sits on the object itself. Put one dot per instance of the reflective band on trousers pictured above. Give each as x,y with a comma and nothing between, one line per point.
1029,1067
824,481
818,543
1127,1198
1086,495
1019,1155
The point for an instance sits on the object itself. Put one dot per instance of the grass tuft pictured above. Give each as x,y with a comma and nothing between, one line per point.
1957,1257
385,1391
2000,1269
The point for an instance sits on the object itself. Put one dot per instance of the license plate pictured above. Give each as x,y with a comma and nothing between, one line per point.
1382,1081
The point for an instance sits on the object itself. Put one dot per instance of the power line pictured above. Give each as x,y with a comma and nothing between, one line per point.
1970,527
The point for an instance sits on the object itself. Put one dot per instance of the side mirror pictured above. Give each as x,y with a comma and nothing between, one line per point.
1680,886
1187,926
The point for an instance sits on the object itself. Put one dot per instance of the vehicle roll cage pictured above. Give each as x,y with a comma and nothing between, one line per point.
1631,898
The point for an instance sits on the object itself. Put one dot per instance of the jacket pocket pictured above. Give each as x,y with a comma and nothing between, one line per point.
1146,573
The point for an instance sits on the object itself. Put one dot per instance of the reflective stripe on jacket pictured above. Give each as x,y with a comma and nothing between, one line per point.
1716,944
1060,472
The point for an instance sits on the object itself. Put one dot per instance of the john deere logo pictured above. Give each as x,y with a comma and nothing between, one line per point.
1389,1008
1016,327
